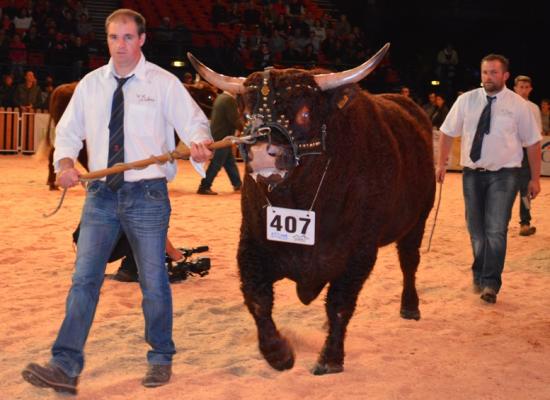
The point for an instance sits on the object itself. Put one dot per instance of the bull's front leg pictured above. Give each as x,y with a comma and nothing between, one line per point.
340,304
257,288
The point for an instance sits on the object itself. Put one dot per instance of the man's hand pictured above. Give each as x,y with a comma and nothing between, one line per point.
199,152
68,177
533,189
440,174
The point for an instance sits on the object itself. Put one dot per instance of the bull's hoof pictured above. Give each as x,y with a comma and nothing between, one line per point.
322,369
279,354
410,314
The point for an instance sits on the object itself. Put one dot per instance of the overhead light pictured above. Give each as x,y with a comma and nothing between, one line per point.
435,83
178,63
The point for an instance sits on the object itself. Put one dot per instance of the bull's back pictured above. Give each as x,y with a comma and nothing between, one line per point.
414,185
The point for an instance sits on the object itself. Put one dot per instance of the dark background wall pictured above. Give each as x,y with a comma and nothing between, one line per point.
419,29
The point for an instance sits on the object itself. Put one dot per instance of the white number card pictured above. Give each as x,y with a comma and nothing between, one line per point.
290,225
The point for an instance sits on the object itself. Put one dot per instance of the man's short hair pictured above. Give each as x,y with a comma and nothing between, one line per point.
497,57
127,13
522,78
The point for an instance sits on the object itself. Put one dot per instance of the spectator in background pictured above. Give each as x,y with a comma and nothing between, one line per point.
219,13
430,106
262,58
84,27
164,32
251,15
523,87
17,56
56,53
7,91
10,10
446,70
22,22
188,78
27,94
46,92
294,8
545,116
343,27
4,46
33,40
440,112
78,54
279,8
7,25
277,44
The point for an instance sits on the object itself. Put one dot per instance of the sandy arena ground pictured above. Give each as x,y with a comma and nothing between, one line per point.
460,349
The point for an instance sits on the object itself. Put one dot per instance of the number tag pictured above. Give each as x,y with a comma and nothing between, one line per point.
291,226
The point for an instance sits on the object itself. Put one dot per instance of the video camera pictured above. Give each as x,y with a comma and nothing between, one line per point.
180,270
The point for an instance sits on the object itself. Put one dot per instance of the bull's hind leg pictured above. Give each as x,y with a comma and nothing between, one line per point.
408,249
257,288
340,304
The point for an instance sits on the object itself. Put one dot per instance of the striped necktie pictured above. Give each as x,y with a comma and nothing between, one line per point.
483,128
116,135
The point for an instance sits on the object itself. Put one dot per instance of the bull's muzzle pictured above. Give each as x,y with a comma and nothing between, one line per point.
266,162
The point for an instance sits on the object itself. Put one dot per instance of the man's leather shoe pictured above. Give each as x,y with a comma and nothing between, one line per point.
527,230
236,188
50,376
157,375
489,295
206,191
125,276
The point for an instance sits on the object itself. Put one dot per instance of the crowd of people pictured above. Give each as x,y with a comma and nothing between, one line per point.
55,37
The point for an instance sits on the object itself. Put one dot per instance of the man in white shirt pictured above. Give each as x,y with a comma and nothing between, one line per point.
495,124
523,87
126,111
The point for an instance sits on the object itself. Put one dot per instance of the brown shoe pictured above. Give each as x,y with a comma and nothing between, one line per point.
489,295
157,375
527,230
206,191
50,376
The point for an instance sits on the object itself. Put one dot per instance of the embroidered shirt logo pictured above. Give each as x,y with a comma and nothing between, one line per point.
143,98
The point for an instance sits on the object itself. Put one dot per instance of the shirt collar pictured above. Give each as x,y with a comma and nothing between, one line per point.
499,94
139,70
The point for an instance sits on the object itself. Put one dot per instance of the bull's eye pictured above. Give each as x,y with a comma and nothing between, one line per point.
302,116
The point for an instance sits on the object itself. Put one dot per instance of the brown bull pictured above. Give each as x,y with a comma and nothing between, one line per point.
202,92
363,163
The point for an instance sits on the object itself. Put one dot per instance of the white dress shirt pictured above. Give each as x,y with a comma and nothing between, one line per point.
513,126
536,113
155,103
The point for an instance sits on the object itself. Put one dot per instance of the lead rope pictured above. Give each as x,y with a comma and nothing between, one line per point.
320,183
435,217
58,206
316,193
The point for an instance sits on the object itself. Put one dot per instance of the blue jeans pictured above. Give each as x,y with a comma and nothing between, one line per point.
142,210
489,197
222,158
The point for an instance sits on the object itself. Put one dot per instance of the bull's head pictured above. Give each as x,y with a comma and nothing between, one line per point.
286,112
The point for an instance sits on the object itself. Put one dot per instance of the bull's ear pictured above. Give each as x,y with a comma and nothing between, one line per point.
223,82
337,79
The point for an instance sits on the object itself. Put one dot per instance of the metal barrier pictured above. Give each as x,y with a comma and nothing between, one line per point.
21,132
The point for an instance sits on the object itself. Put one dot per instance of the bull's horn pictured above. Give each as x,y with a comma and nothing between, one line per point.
223,82
337,79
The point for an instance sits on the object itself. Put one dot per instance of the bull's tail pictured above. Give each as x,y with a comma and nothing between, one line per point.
44,143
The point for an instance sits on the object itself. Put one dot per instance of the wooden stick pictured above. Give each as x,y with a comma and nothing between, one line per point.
180,153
